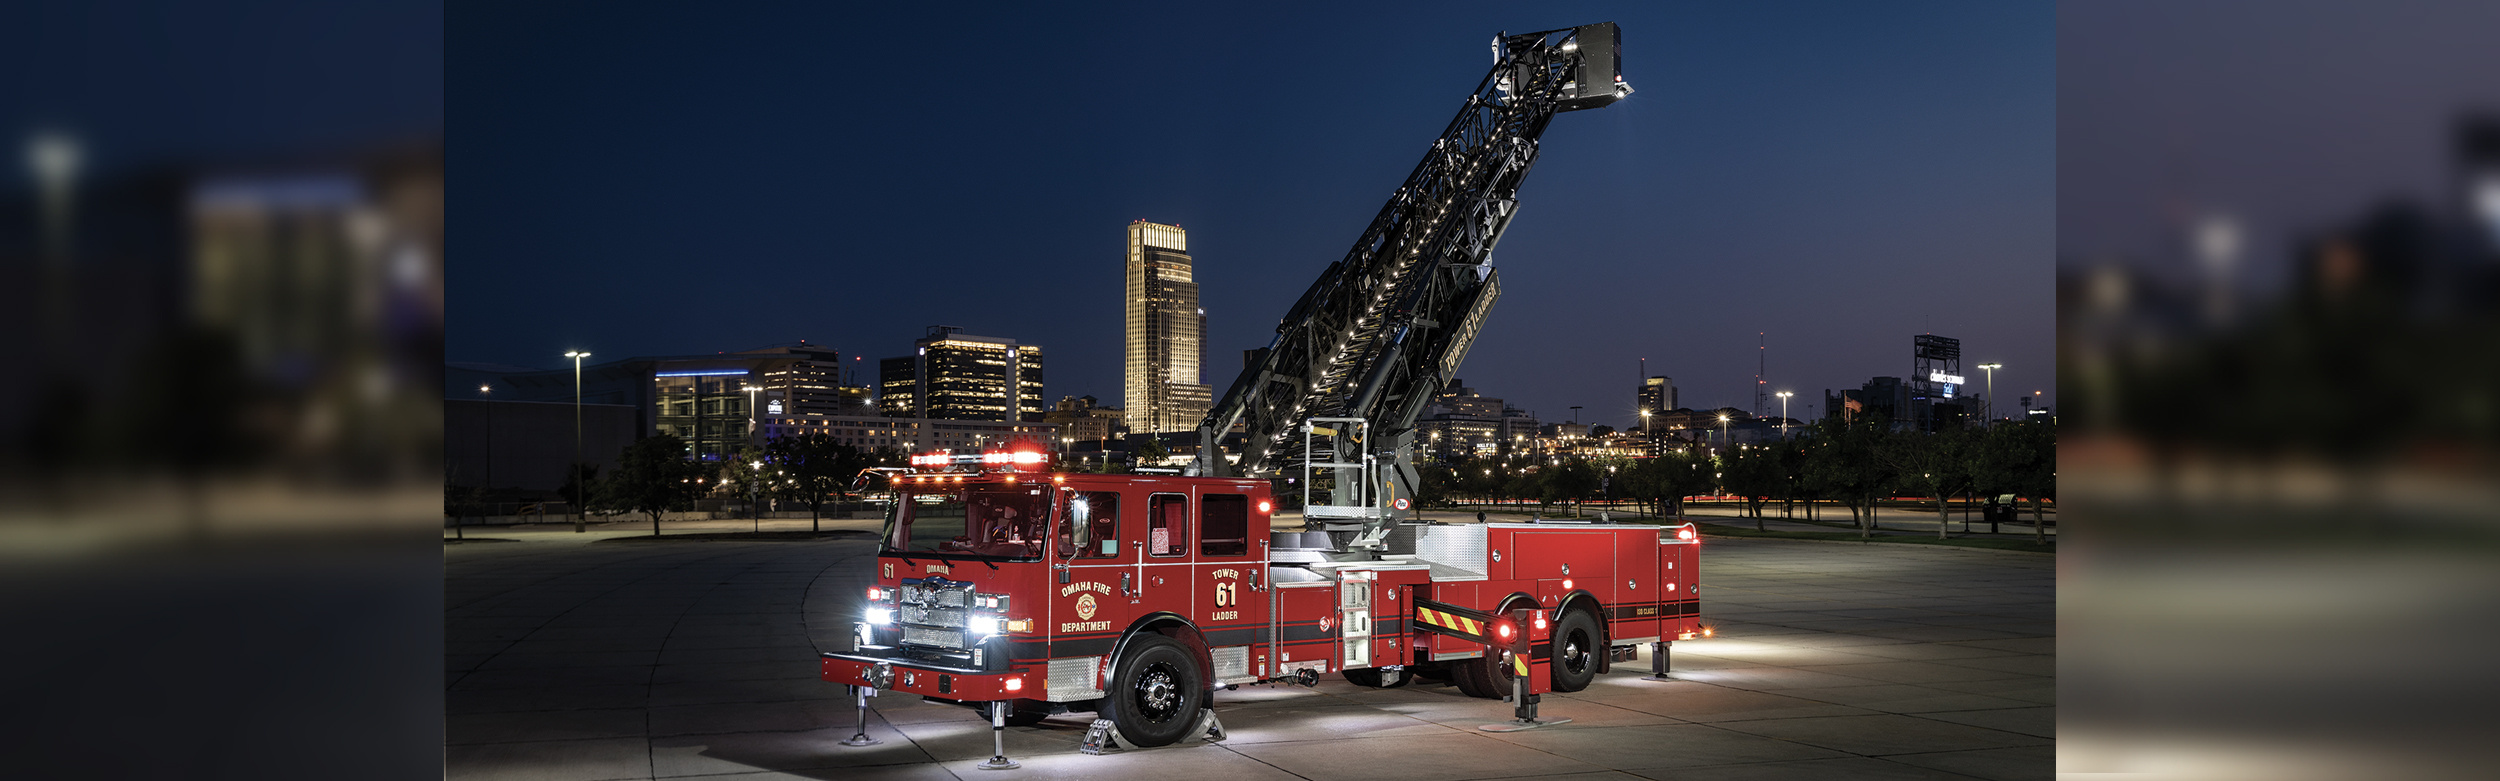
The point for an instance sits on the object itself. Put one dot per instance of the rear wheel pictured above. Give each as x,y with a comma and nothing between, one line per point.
1575,651
1157,693
1489,676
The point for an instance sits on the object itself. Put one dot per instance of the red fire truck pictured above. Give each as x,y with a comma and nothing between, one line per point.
1026,592
1138,596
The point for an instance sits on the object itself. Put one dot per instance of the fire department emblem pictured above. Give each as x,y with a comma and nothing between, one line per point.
1085,607
1323,623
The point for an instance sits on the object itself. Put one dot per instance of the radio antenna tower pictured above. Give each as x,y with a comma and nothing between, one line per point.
1761,346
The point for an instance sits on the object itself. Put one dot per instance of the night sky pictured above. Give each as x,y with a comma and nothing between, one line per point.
2287,117
696,179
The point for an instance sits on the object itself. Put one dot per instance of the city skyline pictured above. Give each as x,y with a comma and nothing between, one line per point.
1900,181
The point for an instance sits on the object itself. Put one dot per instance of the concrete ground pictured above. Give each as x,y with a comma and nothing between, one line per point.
568,659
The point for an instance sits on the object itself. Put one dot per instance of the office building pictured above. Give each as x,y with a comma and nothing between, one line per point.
953,376
1656,395
1082,419
1165,336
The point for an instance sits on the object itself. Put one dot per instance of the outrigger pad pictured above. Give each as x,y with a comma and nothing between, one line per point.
1208,725
1099,740
1522,724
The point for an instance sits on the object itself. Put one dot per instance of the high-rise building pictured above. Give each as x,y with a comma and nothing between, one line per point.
808,383
1165,331
1657,395
952,376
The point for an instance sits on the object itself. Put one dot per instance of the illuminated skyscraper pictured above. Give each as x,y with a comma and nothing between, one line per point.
957,377
1166,331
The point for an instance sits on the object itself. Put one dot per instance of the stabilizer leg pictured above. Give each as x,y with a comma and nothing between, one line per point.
998,739
861,738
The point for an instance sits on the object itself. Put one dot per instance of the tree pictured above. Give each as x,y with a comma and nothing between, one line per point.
653,476
811,468
2019,459
1437,481
1525,483
1682,474
1789,457
1752,473
1151,451
1843,463
1572,480
1936,464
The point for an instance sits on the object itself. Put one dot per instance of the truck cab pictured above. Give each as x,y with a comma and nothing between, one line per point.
996,580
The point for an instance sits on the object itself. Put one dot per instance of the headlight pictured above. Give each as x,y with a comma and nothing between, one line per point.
881,616
982,625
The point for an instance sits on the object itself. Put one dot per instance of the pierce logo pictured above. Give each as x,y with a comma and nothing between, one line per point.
1085,606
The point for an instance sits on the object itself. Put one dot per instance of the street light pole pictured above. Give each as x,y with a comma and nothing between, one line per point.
1784,413
1649,434
581,482
751,389
1991,369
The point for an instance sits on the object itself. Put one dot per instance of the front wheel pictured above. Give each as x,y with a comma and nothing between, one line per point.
1157,692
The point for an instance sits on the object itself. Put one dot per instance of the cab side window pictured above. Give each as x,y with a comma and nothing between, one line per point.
1090,529
1167,527
1223,525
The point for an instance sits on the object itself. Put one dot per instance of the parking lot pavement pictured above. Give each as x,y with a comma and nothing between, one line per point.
566,659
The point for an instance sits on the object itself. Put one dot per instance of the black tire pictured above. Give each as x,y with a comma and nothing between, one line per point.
1379,678
1156,695
1576,642
1026,713
1463,675
1489,675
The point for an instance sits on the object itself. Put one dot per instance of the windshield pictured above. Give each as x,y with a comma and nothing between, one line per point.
1003,521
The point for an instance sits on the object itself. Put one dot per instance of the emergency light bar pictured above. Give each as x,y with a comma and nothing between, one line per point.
942,459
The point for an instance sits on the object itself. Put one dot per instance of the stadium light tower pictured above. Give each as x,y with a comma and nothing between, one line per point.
1991,369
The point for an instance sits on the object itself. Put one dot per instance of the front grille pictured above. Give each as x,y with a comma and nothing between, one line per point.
933,613
943,638
937,597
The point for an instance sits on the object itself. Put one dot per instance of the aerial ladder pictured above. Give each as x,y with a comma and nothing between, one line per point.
1336,393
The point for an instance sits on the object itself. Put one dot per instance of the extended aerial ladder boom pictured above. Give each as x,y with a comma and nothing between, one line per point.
1385,328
